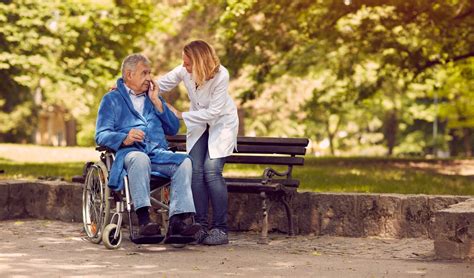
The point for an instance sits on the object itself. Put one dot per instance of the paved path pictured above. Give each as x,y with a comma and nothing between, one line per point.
41,248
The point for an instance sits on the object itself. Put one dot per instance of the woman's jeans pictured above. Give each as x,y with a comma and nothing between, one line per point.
208,183
139,168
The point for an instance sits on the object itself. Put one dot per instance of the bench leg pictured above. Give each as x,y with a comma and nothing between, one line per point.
289,215
264,235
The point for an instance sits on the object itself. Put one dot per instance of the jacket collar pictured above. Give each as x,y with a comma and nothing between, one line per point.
123,92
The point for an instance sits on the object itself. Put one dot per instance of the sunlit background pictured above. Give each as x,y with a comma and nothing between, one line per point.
357,77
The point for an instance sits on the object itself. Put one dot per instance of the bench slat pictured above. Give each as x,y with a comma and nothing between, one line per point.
266,160
260,149
272,141
247,140
285,182
271,149
252,187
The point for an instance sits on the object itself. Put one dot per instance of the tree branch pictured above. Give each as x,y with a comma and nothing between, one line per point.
432,63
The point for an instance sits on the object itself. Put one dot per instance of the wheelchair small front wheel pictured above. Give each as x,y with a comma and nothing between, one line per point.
178,245
108,237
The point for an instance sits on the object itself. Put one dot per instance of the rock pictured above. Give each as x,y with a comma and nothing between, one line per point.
453,231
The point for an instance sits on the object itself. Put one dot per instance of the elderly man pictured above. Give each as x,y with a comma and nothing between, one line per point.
133,120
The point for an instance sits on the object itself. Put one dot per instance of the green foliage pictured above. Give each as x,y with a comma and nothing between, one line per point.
456,94
362,78
66,53
368,50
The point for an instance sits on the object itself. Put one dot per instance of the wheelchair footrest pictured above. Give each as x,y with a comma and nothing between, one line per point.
178,239
138,239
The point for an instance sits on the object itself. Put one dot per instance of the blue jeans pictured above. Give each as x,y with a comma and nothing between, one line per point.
139,168
208,183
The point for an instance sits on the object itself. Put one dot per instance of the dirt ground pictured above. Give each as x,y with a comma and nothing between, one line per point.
41,248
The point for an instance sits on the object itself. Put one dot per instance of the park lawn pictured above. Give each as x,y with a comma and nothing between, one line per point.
367,175
317,175
35,170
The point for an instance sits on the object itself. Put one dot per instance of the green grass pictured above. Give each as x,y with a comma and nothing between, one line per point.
375,176
29,170
378,175
369,175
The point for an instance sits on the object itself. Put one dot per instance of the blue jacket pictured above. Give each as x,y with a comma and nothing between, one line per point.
117,116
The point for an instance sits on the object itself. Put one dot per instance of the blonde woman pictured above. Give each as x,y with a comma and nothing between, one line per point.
212,125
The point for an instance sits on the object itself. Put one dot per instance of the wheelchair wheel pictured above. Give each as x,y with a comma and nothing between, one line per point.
95,202
108,237
177,245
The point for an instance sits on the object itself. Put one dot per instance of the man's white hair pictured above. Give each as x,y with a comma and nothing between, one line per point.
131,61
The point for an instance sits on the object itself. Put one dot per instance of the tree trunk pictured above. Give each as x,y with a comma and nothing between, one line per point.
390,130
467,142
453,143
331,144
332,134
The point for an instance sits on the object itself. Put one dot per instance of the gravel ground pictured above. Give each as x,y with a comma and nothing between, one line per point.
41,248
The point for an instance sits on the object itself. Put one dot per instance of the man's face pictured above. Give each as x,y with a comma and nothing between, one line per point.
187,64
139,79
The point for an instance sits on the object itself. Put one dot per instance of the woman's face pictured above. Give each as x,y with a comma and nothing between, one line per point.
187,64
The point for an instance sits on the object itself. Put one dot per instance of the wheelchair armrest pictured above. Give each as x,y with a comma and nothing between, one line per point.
104,149
107,149
173,148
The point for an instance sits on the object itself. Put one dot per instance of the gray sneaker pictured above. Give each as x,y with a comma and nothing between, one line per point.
216,237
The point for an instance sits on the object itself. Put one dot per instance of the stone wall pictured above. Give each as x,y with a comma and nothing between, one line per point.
44,200
345,214
340,214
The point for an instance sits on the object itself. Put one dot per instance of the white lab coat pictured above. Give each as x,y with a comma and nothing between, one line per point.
211,105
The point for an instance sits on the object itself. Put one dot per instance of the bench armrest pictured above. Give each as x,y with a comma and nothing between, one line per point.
269,172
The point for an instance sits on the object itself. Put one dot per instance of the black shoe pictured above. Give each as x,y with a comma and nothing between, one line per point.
149,229
183,224
182,229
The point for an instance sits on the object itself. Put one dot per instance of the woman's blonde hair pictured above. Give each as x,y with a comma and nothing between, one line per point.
204,61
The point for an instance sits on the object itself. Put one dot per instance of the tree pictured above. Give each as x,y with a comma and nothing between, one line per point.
456,108
400,40
65,53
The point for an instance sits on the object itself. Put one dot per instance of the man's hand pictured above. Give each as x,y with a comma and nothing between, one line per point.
134,135
153,92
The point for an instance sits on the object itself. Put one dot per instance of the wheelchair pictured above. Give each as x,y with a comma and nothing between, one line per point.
103,209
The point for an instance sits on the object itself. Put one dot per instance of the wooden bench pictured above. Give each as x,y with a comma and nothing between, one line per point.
272,185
